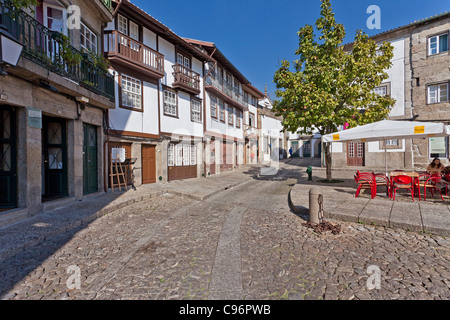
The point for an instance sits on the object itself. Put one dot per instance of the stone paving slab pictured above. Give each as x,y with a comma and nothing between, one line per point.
406,215
435,217
27,233
341,204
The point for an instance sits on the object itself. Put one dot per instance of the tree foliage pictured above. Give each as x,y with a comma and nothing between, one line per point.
329,86
24,4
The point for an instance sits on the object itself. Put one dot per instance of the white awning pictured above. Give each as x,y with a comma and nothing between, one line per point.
389,130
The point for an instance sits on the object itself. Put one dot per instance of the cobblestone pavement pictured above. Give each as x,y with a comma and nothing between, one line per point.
243,243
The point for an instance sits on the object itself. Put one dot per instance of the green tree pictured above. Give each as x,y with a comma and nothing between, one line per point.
25,4
329,86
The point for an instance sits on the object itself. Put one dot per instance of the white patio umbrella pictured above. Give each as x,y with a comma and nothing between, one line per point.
389,130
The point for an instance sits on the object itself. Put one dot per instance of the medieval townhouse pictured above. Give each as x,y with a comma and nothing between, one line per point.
158,117
372,154
228,101
271,132
53,104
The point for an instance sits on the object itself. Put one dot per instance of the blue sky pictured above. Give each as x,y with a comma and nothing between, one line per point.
256,35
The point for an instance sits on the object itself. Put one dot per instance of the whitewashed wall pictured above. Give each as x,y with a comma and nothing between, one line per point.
142,122
183,124
397,77
215,125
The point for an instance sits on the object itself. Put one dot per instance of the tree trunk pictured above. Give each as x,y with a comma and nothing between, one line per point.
328,161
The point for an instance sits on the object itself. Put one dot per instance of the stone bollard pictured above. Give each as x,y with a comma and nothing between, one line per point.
314,207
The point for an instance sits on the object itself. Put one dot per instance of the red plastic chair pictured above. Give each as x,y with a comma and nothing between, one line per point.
423,177
431,183
365,181
383,181
446,181
405,183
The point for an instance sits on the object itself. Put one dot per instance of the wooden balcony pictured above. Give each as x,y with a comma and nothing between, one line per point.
226,92
133,54
186,79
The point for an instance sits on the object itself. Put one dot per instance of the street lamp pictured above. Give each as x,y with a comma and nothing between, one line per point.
10,50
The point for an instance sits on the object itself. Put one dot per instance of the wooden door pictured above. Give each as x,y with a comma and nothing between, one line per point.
148,164
355,154
184,163
90,160
8,158
55,157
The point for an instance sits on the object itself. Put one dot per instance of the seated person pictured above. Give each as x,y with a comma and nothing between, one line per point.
435,167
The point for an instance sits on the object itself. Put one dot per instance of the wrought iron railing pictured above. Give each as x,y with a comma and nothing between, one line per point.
52,50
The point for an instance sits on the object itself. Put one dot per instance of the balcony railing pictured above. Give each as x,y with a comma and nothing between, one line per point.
186,79
49,49
225,87
124,47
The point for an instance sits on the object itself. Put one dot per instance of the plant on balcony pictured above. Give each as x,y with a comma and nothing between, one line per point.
24,4
66,54
97,60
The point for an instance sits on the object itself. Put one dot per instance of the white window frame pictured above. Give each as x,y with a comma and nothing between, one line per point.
440,155
230,116
214,106
120,20
377,89
438,90
196,110
170,103
131,92
171,155
193,155
179,155
64,13
221,111
183,60
393,142
134,28
251,116
88,33
186,154
438,42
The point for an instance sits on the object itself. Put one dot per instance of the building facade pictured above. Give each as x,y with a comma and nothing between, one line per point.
229,99
118,85
52,107
271,133
158,116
